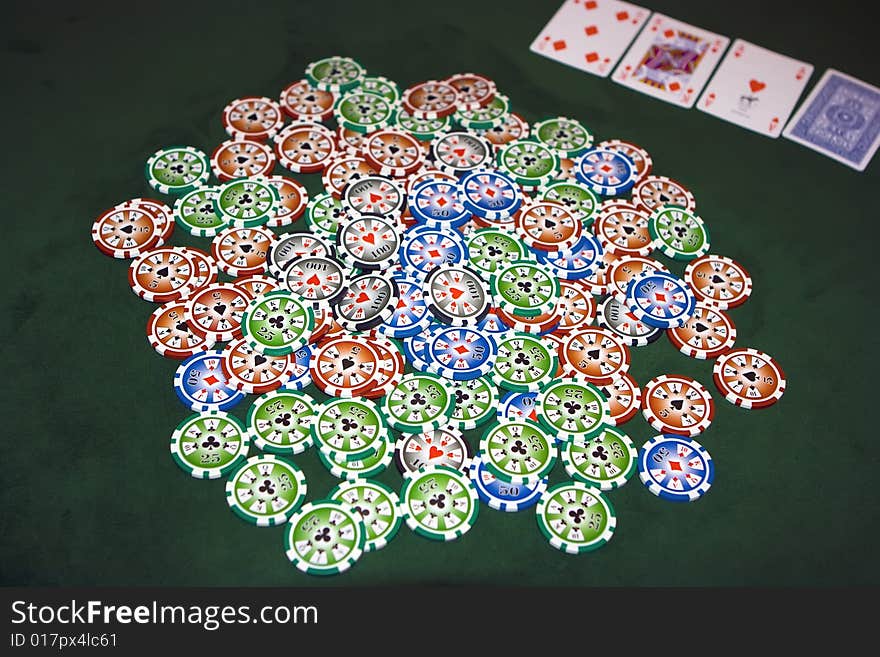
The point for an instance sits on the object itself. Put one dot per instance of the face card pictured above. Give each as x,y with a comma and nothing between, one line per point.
840,118
671,60
590,35
755,88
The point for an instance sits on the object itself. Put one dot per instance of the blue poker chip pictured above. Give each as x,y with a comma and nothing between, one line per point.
411,315
423,249
518,406
660,299
582,261
492,323
676,468
302,376
201,385
605,172
500,495
460,353
437,203
414,350
490,195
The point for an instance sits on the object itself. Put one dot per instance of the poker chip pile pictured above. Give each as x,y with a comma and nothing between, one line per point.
460,270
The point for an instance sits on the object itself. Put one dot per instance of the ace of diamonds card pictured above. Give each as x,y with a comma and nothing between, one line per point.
755,88
671,60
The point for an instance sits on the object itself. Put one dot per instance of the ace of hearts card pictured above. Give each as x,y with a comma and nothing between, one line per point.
755,88
671,60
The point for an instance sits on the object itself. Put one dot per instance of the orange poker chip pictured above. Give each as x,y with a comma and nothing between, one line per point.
624,399
252,117
300,100
749,378
250,371
344,366
162,275
172,336
243,251
305,147
596,354
707,334
241,158
217,309
677,404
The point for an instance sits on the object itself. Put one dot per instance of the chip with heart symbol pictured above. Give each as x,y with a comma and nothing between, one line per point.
367,301
444,446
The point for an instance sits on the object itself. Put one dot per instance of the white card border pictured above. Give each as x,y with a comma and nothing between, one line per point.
729,53
654,16
623,53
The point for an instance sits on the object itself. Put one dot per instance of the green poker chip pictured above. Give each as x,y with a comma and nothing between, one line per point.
484,118
575,196
337,74
349,429
420,402
575,518
606,462
246,202
421,129
178,169
324,215
530,163
325,537
384,87
439,503
361,111
525,288
474,402
517,451
195,212
266,490
368,466
378,506
277,323
567,137
678,233
524,363
490,248
209,445
278,422
572,409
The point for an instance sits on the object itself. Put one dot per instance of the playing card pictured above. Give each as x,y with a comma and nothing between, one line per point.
755,88
671,60
840,118
590,35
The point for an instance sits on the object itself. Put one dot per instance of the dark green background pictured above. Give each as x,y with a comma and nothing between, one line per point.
90,494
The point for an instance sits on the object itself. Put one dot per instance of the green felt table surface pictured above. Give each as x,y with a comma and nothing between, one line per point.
90,494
